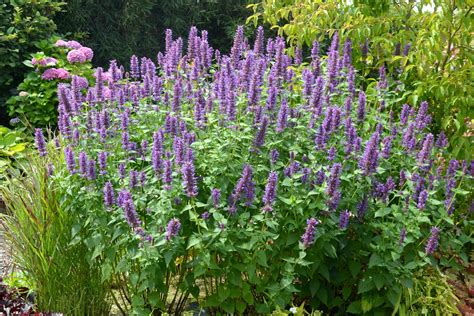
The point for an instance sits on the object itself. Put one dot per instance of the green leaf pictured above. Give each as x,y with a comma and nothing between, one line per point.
323,270
394,295
262,258
241,306
247,294
314,286
382,212
365,285
322,294
354,308
354,267
346,292
375,260
379,281
330,250
154,298
168,257
193,241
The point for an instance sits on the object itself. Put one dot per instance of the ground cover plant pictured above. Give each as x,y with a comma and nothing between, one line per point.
254,181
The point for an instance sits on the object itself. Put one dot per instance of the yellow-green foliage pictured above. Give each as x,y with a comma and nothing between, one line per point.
438,67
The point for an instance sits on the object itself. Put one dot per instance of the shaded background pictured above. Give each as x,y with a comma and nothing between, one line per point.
116,29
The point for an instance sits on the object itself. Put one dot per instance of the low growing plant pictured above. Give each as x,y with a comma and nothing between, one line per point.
256,182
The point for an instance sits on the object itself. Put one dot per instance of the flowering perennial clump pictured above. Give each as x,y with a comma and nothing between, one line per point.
229,162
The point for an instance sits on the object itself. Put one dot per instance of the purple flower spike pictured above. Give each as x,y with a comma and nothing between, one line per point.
363,207
205,216
308,236
91,169
40,142
131,215
333,181
332,153
260,137
172,229
83,163
109,198
270,192
422,198
189,179
425,151
369,161
134,68
103,162
361,108
121,170
242,185
442,141
387,146
274,156
344,219
383,83
125,141
432,243
216,196
156,152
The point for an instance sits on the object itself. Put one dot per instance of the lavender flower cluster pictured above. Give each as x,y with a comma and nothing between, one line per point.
175,100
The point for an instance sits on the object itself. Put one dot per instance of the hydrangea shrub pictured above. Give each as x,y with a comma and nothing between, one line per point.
253,180
59,62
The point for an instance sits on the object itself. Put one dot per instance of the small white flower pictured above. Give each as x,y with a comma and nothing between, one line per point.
23,94
293,310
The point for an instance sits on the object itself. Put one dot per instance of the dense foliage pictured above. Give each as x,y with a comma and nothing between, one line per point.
118,29
23,23
13,145
254,183
58,62
424,44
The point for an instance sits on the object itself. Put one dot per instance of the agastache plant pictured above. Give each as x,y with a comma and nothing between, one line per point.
255,157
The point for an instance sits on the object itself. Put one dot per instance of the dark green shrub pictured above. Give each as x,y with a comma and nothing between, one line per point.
22,24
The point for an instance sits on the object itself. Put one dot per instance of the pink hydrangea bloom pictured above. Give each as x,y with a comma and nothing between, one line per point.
74,44
50,61
76,56
55,73
60,43
62,73
49,74
87,52
46,61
